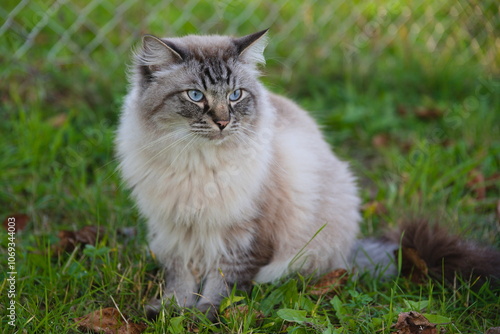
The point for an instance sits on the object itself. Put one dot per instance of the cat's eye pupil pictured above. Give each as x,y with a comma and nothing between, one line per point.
235,95
195,95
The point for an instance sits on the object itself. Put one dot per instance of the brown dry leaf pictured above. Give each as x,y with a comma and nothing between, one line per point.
330,283
243,309
492,182
108,321
381,140
402,110
414,323
88,235
191,328
413,267
58,120
447,142
406,146
477,183
20,221
428,113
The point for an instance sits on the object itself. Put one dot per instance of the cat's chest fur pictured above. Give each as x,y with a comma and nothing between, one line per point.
196,197
207,186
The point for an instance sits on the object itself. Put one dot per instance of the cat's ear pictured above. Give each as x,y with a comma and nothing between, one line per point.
251,47
157,53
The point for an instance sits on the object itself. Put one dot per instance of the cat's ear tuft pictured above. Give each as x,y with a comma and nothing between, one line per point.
157,53
250,48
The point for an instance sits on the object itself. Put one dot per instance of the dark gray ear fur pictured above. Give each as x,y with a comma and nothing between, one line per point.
250,48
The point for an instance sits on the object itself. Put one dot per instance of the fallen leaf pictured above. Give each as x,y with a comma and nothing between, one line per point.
68,240
402,110
477,184
414,323
381,140
192,328
108,321
330,283
493,330
406,146
20,221
237,310
89,235
492,182
428,113
413,267
447,142
58,120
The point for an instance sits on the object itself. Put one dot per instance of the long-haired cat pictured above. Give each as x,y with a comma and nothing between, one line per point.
237,184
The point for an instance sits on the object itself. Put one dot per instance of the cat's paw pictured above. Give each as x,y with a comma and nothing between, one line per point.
209,310
153,308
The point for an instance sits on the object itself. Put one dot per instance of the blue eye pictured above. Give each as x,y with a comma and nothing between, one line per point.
235,96
195,95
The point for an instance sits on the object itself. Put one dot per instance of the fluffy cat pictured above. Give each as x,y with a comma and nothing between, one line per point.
237,184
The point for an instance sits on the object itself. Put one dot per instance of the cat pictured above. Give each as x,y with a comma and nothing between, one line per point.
237,184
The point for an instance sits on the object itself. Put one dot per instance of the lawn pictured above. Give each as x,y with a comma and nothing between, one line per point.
420,127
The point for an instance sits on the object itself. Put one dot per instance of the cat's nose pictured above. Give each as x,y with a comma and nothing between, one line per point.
222,124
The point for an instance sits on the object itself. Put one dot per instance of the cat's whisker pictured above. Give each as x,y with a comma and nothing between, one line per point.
146,146
194,137
163,150
175,142
248,129
239,140
189,143
165,137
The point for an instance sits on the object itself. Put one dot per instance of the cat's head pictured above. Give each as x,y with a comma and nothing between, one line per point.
206,86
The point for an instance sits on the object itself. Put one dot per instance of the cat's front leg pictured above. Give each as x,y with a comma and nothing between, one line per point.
218,285
181,287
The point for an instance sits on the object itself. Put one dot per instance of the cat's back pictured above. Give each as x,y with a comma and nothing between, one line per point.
299,133
290,114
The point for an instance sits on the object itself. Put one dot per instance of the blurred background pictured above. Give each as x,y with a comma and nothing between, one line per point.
390,81
317,37
407,91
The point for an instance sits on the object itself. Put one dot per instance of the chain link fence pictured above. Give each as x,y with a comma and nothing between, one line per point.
99,34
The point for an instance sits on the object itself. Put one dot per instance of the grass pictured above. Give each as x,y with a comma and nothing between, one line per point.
417,134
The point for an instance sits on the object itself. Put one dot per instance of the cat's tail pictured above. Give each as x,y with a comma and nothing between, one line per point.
427,250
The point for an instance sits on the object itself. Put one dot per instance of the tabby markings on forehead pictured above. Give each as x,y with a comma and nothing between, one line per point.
216,73
208,75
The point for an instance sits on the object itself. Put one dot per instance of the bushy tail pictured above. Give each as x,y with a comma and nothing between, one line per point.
428,249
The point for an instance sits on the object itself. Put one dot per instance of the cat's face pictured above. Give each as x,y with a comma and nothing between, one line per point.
203,86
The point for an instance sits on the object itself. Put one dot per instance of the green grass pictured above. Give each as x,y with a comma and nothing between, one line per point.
63,176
